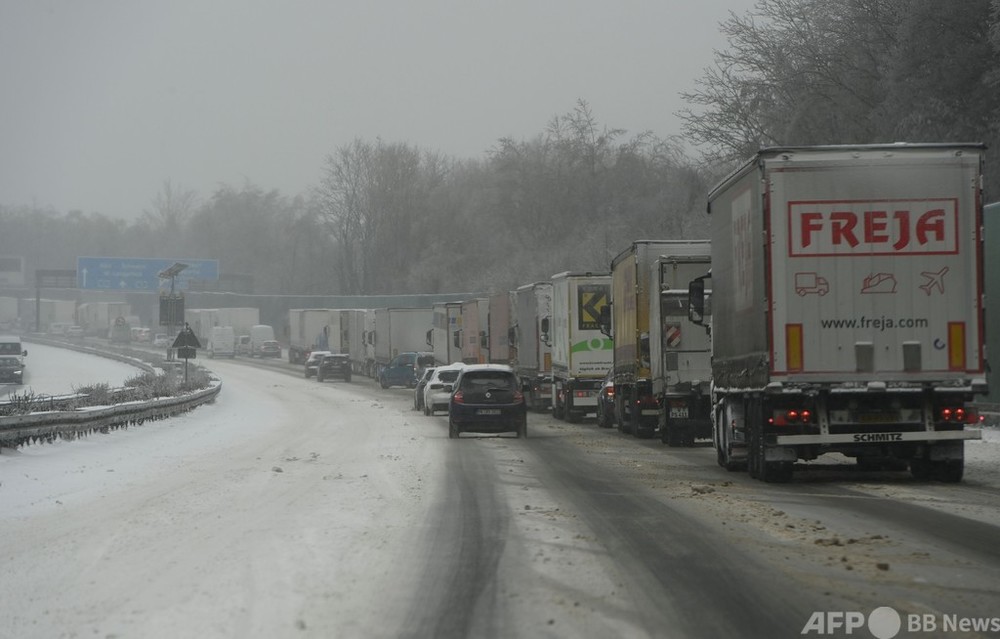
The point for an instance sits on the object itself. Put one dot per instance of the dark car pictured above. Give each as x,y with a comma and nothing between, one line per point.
313,361
487,398
334,365
270,348
606,402
11,369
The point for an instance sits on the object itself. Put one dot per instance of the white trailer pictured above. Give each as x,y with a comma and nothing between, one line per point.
97,318
475,330
532,304
444,336
500,333
581,353
847,307
241,318
313,329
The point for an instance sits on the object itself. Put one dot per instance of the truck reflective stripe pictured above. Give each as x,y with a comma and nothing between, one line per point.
793,346
956,346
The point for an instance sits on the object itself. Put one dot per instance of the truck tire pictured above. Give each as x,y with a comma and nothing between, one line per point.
949,470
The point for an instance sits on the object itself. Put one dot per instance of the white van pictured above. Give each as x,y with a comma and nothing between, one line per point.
222,342
260,333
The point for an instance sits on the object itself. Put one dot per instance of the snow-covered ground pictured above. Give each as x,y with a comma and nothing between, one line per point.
58,371
283,509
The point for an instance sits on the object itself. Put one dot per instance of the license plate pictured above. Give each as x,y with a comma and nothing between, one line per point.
488,411
678,412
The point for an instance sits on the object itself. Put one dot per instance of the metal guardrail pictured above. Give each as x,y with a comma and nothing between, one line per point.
59,421
69,424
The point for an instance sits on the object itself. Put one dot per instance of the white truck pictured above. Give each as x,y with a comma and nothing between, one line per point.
360,322
444,336
581,354
533,363
96,318
398,331
313,329
500,333
880,356
260,333
221,342
475,343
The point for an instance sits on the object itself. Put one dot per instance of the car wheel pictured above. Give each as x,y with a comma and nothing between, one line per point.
427,411
347,378
452,430
522,428
319,378
307,375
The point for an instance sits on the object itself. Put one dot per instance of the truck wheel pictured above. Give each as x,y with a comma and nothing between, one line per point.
573,417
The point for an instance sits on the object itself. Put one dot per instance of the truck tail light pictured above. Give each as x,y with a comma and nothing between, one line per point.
787,417
960,415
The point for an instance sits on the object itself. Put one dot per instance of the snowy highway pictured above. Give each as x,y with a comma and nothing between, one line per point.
292,508
59,371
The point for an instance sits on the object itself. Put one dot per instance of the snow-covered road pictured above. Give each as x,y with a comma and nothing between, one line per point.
292,508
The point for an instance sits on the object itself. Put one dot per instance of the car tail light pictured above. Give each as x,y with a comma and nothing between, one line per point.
458,397
518,397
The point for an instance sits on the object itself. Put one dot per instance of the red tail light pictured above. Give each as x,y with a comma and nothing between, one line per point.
458,398
518,397
961,415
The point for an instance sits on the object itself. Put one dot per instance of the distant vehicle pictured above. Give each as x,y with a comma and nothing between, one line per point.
487,398
334,365
74,332
312,361
12,355
269,348
58,328
437,392
405,369
221,342
243,345
260,333
606,401
418,391
11,369
162,340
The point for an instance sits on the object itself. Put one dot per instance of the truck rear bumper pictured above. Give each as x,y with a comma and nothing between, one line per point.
878,438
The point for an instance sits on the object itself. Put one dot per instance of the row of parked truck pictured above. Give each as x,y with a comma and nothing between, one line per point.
837,306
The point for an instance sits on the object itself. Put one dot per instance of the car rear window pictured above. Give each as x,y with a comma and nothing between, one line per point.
482,381
448,376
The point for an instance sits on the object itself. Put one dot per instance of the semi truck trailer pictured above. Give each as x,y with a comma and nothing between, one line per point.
847,307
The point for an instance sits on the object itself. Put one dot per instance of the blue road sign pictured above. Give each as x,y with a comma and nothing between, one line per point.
139,273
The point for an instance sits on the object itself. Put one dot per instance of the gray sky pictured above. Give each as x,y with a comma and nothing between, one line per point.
103,101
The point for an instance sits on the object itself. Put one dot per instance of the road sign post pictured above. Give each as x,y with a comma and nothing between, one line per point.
186,344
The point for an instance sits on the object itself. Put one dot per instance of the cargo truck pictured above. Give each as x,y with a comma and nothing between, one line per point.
847,307
661,369
532,305
313,329
499,333
360,323
581,354
474,336
400,331
444,337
